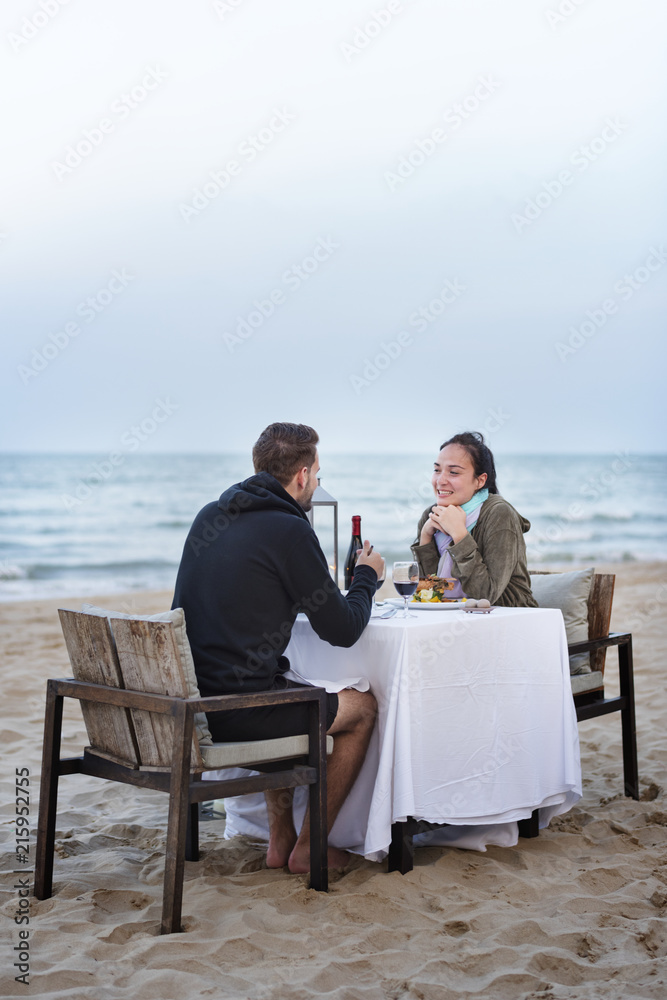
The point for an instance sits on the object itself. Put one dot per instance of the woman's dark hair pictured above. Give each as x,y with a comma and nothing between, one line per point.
480,456
282,449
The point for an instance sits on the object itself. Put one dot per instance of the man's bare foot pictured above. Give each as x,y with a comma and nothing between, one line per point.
279,851
299,860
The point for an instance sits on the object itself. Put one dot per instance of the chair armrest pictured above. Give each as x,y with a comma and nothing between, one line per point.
613,639
67,687
164,704
225,702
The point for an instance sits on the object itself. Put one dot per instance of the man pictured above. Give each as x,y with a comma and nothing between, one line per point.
251,561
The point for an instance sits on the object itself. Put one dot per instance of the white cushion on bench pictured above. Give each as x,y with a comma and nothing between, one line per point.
586,682
256,752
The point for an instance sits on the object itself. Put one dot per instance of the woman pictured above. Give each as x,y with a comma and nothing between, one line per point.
471,533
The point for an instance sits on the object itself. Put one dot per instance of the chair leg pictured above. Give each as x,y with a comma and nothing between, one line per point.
178,820
401,849
48,794
628,727
317,795
192,833
530,827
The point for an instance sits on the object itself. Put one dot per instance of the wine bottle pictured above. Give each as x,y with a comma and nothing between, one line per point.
355,543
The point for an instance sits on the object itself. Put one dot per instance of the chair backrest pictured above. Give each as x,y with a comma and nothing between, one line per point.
92,654
138,656
599,614
600,600
149,661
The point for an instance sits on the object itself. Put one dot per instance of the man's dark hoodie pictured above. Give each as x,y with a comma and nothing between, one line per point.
251,562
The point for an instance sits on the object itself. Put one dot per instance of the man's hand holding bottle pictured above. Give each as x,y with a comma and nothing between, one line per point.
367,556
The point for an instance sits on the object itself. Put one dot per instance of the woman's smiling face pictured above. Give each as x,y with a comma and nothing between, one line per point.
454,480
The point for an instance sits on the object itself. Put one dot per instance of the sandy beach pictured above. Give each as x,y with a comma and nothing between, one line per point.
576,913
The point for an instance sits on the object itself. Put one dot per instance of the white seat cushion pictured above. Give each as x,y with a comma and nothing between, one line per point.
586,682
256,751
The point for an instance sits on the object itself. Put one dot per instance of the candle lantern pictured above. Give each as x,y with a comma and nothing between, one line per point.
323,499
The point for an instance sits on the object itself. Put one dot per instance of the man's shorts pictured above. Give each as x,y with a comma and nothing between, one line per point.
268,721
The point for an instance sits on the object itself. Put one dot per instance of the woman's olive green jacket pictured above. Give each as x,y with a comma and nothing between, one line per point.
490,561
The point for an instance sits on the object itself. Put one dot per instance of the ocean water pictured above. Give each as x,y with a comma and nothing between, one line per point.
76,525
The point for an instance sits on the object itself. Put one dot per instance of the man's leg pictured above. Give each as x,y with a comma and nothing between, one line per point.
352,729
282,835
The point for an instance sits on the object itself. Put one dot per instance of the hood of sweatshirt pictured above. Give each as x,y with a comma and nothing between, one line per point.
493,500
496,498
261,492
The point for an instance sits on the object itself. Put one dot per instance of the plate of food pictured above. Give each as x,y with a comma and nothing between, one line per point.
432,594
428,605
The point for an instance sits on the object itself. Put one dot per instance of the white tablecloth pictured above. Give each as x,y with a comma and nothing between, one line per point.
476,727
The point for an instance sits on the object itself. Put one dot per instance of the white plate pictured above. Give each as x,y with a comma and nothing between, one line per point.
436,606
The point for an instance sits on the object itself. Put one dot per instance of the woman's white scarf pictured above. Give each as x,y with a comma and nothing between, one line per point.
472,509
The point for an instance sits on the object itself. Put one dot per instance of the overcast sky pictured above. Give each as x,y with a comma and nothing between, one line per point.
392,221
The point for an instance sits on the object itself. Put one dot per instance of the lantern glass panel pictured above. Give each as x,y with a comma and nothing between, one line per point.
325,523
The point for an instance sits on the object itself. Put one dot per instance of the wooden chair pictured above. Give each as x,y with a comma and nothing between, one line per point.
590,702
129,680
588,689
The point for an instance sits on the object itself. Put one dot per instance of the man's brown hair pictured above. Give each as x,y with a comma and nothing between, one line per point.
282,449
